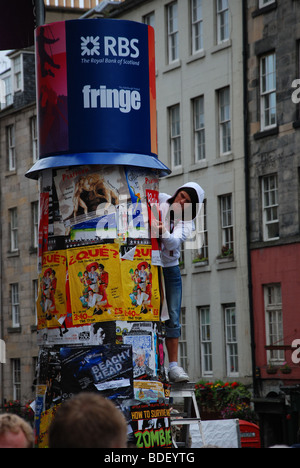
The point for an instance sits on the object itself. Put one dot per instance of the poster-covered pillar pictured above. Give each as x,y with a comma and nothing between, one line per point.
99,299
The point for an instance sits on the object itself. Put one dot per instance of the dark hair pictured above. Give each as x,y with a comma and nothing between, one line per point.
191,212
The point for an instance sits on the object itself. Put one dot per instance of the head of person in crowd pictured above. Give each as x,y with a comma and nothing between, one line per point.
88,420
187,201
15,432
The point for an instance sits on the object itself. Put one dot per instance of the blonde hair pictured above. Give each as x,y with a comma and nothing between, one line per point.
15,424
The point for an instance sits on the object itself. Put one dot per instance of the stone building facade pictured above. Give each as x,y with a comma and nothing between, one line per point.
273,182
19,216
199,69
199,81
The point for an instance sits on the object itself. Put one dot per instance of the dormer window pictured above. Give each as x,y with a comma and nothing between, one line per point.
17,68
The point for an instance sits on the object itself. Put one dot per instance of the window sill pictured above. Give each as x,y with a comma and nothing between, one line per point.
14,329
225,263
199,165
175,172
201,267
172,66
221,46
10,173
223,158
296,124
197,56
15,253
266,133
265,9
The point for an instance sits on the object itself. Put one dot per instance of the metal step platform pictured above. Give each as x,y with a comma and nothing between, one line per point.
185,391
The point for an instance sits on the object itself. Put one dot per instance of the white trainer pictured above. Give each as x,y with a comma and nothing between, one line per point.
177,374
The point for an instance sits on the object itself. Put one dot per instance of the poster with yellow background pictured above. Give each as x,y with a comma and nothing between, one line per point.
140,286
51,301
95,283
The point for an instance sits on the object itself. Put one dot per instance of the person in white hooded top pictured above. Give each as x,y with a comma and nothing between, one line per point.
174,227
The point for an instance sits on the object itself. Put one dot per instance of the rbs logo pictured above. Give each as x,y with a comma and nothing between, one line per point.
120,47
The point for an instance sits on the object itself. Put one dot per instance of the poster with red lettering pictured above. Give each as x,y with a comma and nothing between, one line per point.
43,227
95,283
154,214
51,301
140,286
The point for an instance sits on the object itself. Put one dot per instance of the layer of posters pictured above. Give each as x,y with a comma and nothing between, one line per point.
125,329
43,227
39,408
151,425
49,375
41,437
139,181
83,191
154,213
106,369
95,283
51,301
143,339
57,231
140,285
148,391
98,333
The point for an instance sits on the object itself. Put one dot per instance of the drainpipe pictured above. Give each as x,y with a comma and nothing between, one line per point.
39,12
247,189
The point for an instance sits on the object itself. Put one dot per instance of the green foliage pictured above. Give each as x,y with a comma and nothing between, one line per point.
231,399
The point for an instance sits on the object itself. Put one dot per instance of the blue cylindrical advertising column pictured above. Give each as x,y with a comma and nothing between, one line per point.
100,292
96,95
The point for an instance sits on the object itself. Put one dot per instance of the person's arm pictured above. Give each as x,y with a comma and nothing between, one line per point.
172,240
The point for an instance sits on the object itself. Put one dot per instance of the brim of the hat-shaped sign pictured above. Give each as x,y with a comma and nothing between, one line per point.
85,159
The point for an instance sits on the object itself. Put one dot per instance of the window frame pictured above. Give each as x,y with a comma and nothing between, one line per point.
175,136
16,378
223,18
267,207
267,94
172,32
34,138
196,26
206,354
15,305
227,222
225,137
200,253
13,215
199,129
35,224
11,147
231,341
261,3
18,74
274,309
182,344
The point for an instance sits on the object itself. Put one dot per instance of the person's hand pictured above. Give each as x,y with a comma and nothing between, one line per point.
157,227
